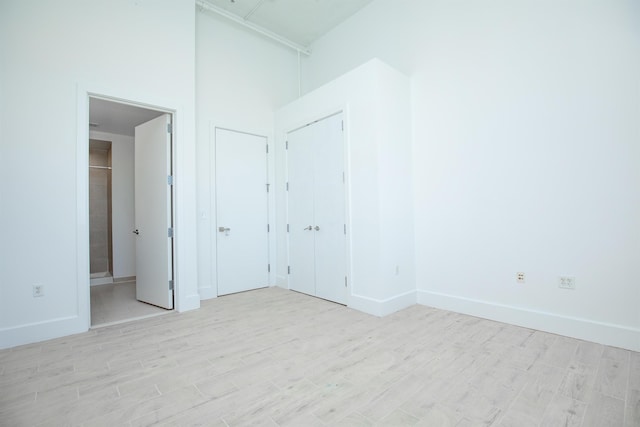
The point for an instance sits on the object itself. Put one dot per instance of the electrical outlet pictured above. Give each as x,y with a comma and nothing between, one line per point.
567,282
38,290
520,277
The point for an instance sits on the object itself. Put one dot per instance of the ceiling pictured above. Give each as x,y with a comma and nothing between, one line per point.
113,117
300,21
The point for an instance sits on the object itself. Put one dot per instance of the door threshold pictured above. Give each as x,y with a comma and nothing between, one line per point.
131,319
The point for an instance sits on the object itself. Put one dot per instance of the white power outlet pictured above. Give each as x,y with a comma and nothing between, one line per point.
567,282
38,290
520,277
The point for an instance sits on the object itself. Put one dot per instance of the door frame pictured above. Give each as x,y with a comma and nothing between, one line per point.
82,192
214,203
344,110
209,288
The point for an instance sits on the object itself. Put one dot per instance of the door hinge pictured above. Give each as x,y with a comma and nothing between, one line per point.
170,179
287,185
288,269
343,177
268,228
286,145
345,229
287,228
267,148
170,232
170,285
342,121
345,281
268,187
169,128
268,268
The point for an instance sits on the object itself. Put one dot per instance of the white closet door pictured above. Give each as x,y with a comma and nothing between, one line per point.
330,255
300,211
316,206
241,211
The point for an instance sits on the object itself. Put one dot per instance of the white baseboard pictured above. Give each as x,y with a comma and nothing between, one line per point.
584,329
208,293
41,331
381,308
282,282
98,281
190,302
124,279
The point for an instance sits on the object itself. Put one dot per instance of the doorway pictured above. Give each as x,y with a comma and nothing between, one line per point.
134,213
316,209
242,211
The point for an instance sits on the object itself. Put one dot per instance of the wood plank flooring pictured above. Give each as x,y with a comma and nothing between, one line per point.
277,358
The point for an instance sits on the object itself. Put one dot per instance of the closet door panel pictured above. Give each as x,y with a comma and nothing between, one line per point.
301,211
330,260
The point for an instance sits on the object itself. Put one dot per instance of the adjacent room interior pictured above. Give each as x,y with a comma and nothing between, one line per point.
114,226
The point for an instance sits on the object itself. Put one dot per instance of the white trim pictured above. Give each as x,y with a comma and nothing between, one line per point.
580,328
41,331
211,290
187,302
82,213
282,281
207,292
382,307
82,221
342,109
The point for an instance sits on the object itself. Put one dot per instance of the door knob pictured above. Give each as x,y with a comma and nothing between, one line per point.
316,228
308,228
135,231
224,229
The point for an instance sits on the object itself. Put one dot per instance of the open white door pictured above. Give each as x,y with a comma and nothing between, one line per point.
242,238
154,266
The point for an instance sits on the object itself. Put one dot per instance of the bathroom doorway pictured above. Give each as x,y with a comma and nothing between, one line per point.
114,234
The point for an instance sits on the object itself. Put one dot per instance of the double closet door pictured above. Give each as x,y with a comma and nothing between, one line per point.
316,210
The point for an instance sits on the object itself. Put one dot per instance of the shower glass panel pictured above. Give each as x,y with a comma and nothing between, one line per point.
101,247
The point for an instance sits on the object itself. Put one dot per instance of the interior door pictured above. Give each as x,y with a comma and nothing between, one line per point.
300,210
316,209
154,267
329,227
242,239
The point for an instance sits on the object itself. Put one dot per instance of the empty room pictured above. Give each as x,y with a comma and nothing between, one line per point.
320,212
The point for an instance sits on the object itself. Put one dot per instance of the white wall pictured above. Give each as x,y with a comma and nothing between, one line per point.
525,141
122,202
241,79
375,100
52,54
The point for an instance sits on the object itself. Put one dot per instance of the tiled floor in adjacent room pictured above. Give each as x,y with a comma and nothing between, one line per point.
116,302
274,357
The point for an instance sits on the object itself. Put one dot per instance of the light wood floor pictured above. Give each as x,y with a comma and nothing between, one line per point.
274,357
116,302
